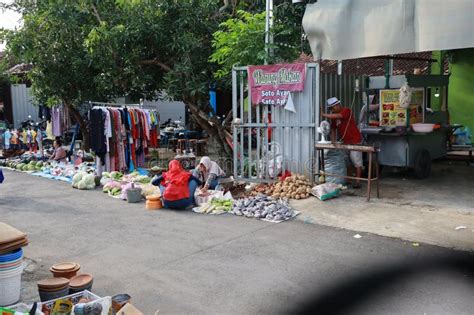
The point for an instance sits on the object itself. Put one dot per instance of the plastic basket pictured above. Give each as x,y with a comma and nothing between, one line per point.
24,308
74,298
10,286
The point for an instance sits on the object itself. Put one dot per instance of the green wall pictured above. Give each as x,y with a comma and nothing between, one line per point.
461,86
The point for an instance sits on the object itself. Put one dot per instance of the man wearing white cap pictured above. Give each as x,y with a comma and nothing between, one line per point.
343,121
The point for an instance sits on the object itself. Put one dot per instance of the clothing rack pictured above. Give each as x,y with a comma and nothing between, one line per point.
130,130
139,105
115,104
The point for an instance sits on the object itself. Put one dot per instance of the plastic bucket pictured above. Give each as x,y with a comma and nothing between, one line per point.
11,256
134,195
10,286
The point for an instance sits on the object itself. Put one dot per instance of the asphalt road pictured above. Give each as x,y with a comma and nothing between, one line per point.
187,263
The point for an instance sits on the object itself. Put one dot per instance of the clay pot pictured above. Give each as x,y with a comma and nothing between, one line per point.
80,283
65,270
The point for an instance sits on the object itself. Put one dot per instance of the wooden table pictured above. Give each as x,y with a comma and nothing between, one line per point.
369,149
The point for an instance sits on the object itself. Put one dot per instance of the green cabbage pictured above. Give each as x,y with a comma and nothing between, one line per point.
77,178
116,175
89,179
82,185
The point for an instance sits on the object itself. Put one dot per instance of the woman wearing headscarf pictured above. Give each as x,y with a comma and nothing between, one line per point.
208,173
177,186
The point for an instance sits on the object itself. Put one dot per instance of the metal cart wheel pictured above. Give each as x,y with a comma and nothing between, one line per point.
422,165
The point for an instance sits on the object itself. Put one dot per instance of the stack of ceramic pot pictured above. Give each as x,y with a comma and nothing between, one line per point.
65,270
80,283
53,288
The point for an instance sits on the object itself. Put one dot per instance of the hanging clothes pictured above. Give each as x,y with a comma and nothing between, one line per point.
56,121
97,134
59,117
123,136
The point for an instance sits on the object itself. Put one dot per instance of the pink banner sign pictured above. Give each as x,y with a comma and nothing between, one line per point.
271,85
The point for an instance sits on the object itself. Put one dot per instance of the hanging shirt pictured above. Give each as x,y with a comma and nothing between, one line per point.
97,134
49,130
56,121
23,136
39,136
107,128
7,136
29,137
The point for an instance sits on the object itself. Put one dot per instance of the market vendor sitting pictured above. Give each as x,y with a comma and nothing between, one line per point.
59,154
177,187
343,121
208,172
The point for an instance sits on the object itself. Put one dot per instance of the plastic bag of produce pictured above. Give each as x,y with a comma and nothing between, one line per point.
150,190
334,163
326,191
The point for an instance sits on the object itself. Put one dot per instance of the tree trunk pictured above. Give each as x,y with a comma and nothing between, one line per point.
83,125
213,126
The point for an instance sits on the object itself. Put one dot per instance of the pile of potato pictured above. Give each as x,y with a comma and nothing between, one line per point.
293,187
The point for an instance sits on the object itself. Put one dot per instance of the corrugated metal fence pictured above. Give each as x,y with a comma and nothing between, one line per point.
344,88
269,140
22,104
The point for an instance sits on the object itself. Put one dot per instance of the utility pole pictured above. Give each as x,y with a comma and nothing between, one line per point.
268,28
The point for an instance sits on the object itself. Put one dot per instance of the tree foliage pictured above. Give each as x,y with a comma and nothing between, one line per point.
98,50
240,40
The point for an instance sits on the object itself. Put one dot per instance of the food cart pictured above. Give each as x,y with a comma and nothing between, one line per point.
393,133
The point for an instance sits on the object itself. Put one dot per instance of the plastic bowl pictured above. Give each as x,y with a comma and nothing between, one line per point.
10,262
11,267
422,127
12,256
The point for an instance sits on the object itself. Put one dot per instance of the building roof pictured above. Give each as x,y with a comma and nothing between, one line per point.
21,68
375,66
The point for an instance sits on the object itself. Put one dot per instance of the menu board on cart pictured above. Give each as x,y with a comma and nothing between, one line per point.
391,114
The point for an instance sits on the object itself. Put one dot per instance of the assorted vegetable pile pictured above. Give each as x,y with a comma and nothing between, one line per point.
292,187
150,190
113,188
83,181
216,206
263,207
24,165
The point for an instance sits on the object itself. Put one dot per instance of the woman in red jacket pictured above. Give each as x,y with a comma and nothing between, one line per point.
177,187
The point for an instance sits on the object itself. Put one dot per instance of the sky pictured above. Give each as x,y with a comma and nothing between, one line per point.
8,19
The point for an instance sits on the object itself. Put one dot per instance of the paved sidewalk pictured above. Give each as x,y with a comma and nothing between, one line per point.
427,211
